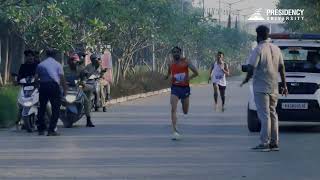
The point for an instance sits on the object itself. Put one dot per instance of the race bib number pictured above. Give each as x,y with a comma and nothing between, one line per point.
218,76
180,77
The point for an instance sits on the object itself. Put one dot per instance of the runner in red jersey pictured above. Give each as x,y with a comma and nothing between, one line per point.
180,89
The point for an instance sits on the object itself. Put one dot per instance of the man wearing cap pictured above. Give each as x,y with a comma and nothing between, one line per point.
51,77
74,71
93,68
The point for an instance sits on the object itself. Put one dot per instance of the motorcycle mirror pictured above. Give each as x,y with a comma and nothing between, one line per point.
23,81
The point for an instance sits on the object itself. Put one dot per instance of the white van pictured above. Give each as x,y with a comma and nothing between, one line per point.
301,54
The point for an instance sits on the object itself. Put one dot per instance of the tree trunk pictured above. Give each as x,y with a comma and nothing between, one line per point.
118,71
1,82
12,55
21,54
62,59
6,61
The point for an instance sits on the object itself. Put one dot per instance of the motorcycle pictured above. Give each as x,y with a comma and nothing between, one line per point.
98,97
28,102
72,108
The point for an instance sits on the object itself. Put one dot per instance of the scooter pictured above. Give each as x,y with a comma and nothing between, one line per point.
28,101
72,108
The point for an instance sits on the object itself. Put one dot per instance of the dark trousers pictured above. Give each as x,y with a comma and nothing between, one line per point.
49,91
222,90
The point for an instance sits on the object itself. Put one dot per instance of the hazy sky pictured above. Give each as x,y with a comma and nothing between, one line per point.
246,7
269,4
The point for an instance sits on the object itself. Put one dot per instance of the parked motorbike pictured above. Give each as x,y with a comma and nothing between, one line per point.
72,108
28,102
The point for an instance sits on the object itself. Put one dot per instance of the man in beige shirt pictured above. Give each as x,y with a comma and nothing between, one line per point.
265,64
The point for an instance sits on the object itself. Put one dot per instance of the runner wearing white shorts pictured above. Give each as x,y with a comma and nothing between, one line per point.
218,72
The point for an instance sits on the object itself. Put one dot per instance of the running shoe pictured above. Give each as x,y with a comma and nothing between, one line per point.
274,147
262,148
176,136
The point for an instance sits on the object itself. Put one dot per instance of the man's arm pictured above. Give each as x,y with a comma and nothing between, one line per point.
210,72
252,64
282,71
249,75
194,70
36,75
63,84
62,79
20,73
226,69
168,72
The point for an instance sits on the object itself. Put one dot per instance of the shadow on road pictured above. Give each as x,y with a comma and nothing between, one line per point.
304,128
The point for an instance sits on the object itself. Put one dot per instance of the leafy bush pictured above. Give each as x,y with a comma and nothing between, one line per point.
202,78
8,106
141,82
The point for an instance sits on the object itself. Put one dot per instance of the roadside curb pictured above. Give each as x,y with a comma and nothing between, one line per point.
144,95
137,96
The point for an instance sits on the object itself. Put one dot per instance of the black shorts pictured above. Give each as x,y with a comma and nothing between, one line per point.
181,92
221,88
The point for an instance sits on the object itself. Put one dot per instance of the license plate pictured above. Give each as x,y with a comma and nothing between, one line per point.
28,88
294,105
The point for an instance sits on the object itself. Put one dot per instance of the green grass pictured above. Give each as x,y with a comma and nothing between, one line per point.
202,78
8,106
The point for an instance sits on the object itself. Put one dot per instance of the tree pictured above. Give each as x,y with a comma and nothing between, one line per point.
131,27
311,21
42,25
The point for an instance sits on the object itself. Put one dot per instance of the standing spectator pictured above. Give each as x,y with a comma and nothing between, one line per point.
265,63
50,73
108,76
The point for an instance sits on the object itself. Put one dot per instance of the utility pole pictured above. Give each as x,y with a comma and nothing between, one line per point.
240,10
230,5
219,12
182,12
203,8
182,8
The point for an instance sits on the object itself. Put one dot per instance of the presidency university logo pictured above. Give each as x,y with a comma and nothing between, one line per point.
256,16
277,15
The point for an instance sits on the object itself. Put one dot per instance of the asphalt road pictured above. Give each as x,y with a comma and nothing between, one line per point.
132,141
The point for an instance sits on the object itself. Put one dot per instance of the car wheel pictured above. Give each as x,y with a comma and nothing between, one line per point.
254,124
